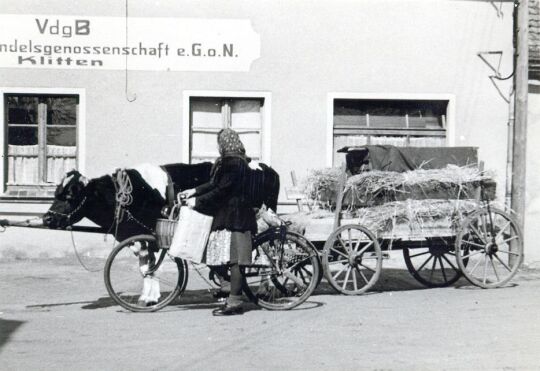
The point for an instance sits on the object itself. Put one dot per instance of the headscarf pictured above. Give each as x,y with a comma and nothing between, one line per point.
230,144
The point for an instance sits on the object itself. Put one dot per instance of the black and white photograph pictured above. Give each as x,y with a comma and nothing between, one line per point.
270,185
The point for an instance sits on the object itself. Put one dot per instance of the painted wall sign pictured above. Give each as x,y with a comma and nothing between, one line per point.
112,43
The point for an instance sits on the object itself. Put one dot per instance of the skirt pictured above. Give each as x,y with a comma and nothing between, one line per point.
226,247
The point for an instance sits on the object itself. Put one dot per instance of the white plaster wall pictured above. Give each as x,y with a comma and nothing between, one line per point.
308,49
532,194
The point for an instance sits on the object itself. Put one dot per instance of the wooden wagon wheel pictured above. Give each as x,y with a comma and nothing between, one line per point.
352,259
433,264
492,242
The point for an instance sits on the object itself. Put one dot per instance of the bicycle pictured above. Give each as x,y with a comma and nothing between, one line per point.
285,271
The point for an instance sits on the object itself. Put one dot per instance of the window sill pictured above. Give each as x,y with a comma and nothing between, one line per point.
29,191
27,200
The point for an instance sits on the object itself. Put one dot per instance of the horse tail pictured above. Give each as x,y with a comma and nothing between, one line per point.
271,187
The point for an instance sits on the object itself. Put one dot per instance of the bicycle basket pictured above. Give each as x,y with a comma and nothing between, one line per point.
165,231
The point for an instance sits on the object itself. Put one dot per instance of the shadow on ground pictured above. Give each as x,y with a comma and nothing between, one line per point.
7,328
391,279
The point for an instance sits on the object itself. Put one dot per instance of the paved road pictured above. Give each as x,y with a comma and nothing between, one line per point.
55,315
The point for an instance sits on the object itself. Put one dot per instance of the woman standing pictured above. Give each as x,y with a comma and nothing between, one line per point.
225,197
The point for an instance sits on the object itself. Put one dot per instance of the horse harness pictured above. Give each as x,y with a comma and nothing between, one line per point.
124,198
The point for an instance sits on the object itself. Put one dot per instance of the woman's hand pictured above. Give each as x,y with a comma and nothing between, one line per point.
188,193
190,202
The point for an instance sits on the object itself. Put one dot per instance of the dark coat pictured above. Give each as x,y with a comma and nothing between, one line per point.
226,197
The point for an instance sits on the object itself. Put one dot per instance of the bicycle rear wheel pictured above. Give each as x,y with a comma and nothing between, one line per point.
285,270
141,277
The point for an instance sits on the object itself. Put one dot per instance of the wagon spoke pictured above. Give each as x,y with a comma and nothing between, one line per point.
485,268
510,239
365,248
442,269
432,269
494,268
423,265
340,261
449,262
354,280
357,244
346,278
368,268
475,266
508,252
503,263
415,255
503,229
473,228
472,243
494,220
350,238
338,273
484,224
339,252
472,254
362,274
343,244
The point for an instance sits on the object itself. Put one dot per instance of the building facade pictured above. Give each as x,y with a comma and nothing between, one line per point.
327,74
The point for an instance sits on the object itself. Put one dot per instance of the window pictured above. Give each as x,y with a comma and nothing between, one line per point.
40,140
401,123
208,115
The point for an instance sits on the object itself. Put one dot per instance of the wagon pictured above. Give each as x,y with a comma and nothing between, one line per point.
485,245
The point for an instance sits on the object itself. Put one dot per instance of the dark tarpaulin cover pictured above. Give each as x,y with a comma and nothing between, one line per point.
401,159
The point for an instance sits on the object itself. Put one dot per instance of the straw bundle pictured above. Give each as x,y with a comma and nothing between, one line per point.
379,187
416,214
321,184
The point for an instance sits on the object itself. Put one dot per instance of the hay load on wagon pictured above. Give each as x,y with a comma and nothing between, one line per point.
416,194
378,187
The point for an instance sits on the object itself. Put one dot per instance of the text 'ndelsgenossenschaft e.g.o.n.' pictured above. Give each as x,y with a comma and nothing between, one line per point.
30,53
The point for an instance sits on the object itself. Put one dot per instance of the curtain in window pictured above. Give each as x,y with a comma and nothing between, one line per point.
22,164
391,141
427,141
60,159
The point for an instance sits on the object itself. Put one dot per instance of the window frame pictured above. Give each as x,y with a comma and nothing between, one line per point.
331,97
266,114
80,129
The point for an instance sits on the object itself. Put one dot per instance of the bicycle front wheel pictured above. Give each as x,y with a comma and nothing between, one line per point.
285,271
141,277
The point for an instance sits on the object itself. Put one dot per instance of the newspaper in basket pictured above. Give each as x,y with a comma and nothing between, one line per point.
190,235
